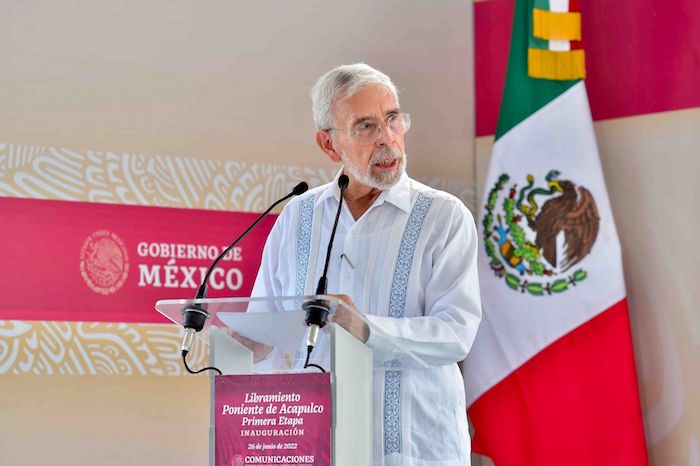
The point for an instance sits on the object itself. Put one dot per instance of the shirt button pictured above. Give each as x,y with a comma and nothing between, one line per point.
347,275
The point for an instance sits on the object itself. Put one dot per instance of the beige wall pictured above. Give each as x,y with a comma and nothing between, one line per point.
103,420
651,168
228,79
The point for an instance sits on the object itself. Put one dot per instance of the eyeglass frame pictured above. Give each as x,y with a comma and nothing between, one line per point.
406,117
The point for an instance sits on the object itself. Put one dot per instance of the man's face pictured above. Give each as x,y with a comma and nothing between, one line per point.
380,164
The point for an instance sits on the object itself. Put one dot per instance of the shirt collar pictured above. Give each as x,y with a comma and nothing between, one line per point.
399,194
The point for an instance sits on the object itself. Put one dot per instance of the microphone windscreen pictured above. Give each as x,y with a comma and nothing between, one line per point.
343,181
301,188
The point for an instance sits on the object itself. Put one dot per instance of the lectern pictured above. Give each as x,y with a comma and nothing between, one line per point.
259,344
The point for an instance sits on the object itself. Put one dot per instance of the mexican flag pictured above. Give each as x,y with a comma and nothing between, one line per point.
551,378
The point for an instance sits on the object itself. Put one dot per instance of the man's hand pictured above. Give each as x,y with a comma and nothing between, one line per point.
349,321
260,350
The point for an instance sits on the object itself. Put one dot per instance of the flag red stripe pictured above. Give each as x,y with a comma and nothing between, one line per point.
576,45
549,411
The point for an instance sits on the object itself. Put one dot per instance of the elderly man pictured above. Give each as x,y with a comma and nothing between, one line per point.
404,254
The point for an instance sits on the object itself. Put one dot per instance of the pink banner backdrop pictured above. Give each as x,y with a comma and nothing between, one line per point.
281,419
76,261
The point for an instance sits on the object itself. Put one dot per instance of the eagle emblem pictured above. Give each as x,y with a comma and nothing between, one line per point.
539,233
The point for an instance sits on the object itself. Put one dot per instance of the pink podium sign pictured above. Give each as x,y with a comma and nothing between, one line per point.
277,419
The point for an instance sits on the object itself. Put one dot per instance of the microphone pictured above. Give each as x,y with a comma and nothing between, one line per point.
196,314
317,310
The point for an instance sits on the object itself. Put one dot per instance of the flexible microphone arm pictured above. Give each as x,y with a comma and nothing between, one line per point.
298,189
322,286
317,310
196,314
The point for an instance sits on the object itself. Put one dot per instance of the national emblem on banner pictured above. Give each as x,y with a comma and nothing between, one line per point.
104,262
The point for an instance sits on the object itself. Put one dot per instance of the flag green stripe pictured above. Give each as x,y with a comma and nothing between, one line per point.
541,4
535,42
522,95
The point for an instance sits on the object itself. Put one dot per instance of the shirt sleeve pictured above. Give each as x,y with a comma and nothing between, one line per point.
446,330
267,282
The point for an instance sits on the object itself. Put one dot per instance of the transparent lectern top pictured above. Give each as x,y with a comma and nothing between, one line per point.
274,330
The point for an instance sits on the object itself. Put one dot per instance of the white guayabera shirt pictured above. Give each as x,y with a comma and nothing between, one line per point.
409,264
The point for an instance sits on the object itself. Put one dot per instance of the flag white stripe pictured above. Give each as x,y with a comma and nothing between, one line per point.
517,326
559,6
559,45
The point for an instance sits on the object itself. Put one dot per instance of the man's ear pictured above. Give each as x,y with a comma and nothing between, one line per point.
325,142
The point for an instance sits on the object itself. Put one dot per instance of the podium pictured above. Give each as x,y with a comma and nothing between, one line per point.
263,337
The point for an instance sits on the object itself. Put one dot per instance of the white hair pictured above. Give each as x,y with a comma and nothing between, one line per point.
342,83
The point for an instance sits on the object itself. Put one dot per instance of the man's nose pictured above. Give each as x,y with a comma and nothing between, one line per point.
385,136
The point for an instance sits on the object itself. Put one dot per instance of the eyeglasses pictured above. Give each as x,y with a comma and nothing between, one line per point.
367,132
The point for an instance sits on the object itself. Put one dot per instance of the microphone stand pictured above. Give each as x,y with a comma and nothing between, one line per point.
317,310
196,314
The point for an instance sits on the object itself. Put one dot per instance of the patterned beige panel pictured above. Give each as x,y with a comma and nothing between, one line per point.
89,348
43,172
